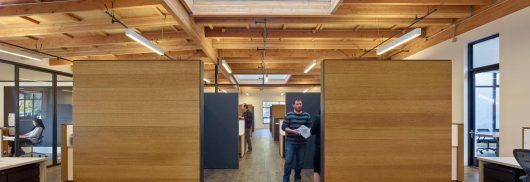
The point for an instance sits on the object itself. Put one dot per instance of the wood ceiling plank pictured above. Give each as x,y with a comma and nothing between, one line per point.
71,6
260,8
84,26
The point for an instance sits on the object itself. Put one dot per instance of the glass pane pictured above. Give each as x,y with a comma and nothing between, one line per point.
486,113
266,114
486,53
38,104
8,102
64,107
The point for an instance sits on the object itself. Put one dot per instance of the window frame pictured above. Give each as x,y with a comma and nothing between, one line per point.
471,94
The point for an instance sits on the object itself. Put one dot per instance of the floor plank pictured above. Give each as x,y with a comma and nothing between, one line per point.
263,164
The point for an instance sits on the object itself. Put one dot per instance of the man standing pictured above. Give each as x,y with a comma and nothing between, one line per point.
295,143
249,121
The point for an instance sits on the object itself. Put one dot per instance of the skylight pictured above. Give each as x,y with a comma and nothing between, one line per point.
258,78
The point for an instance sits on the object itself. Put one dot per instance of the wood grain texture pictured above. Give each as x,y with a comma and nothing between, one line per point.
387,120
137,121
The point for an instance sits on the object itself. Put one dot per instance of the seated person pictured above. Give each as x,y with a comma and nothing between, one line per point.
30,137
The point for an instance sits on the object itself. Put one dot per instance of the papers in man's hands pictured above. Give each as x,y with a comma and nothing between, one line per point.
9,138
304,131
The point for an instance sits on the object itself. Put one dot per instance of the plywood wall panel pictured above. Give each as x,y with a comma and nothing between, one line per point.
137,121
387,120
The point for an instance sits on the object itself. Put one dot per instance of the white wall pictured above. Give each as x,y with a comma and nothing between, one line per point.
514,74
257,99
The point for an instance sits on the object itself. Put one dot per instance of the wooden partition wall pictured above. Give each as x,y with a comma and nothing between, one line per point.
137,121
387,121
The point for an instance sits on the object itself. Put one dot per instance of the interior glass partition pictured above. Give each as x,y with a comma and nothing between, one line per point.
36,102
28,93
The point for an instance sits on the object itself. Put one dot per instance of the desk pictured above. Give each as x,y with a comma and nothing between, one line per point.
242,138
494,135
502,161
8,163
282,139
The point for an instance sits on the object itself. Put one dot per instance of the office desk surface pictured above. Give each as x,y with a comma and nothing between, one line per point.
12,162
487,134
505,161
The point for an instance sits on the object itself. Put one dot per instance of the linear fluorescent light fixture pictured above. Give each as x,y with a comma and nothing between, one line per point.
223,90
225,65
206,80
266,78
142,40
310,66
20,55
307,90
401,40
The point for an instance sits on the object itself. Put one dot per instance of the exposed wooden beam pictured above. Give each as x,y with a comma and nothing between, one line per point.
297,53
119,49
323,20
384,11
294,44
71,6
280,33
30,19
84,26
195,31
416,2
81,41
481,17
190,54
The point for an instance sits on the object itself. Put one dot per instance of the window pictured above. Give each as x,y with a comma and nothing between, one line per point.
484,91
267,110
30,104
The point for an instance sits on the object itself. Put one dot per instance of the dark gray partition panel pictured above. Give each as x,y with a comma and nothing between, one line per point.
311,105
221,131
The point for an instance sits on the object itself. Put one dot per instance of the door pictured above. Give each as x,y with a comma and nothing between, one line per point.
484,91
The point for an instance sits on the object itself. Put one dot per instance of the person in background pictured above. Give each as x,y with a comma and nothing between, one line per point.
295,144
28,138
249,121
315,130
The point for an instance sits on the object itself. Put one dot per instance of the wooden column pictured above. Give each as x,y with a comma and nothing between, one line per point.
387,120
137,121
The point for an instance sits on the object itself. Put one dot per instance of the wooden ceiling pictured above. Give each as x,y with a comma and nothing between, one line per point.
298,30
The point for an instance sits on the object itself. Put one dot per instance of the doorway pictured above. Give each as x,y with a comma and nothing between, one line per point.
484,88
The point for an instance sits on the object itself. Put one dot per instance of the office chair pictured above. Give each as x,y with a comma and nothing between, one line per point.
486,140
31,145
523,158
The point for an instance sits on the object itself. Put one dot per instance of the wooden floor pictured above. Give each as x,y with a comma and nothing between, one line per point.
263,164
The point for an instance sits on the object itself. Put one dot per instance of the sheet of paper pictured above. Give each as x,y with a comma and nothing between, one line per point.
304,131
